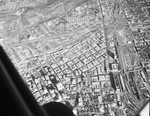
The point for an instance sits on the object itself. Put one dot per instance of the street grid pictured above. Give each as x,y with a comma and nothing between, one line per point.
95,54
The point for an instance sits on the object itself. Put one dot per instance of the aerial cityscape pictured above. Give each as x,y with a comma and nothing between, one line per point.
92,55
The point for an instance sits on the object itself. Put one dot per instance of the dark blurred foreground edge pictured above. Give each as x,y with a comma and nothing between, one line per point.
16,98
58,109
